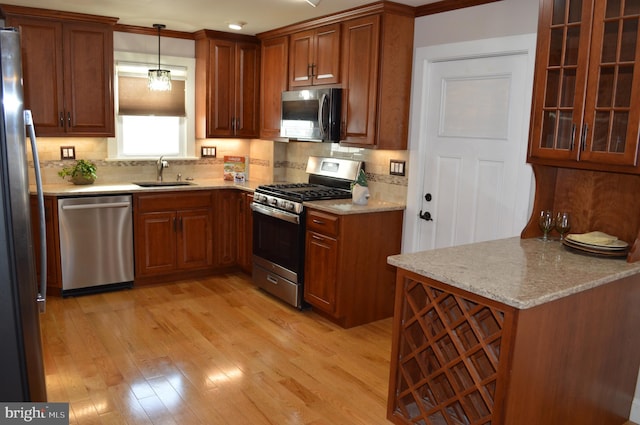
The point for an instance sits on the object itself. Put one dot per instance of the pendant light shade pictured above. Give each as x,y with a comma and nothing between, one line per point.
313,3
159,79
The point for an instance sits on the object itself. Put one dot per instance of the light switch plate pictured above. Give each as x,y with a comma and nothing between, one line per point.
397,168
208,151
67,152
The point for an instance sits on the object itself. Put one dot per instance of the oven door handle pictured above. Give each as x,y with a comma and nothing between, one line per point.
273,212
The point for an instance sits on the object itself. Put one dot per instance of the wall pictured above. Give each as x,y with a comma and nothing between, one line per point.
492,20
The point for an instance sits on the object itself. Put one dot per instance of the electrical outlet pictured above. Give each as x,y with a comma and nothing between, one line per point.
67,152
397,168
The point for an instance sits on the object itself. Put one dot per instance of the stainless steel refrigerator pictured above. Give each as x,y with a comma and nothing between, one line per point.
21,298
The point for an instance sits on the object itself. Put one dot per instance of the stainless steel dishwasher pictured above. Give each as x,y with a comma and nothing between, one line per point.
96,243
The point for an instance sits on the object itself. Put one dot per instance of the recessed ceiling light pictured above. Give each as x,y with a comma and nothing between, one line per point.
236,25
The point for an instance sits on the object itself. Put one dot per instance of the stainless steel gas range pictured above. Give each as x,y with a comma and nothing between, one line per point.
279,224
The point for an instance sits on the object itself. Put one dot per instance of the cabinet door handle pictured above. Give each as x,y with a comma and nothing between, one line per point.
573,136
69,119
318,238
61,119
175,225
313,70
318,221
583,142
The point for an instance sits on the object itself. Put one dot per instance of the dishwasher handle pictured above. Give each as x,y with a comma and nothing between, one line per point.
96,206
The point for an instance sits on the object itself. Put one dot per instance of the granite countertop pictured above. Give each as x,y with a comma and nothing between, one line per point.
521,273
336,206
69,189
345,206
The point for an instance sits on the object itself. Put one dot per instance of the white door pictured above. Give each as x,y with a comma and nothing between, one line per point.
469,132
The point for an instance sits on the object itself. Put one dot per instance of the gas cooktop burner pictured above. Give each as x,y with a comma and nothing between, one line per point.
304,191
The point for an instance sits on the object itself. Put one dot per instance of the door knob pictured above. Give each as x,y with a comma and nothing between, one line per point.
425,215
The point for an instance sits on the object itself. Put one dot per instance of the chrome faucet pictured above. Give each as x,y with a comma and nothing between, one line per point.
160,166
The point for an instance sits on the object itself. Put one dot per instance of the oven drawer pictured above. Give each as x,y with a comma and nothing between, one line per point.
278,286
324,223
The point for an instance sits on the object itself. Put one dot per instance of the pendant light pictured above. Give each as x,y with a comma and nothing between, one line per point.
313,3
159,79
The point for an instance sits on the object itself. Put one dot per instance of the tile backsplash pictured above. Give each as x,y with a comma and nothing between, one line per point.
382,185
268,162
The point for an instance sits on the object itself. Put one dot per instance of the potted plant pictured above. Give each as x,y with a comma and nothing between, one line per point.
82,172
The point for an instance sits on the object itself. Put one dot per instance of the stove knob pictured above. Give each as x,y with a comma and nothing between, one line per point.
274,202
287,206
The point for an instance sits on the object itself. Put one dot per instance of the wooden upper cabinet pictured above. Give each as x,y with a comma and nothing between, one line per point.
227,86
377,55
247,90
368,52
359,60
315,57
586,105
68,73
274,64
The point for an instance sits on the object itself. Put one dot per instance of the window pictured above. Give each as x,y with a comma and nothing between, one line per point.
151,124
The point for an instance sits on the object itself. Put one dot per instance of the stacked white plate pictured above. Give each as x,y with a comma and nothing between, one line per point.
598,243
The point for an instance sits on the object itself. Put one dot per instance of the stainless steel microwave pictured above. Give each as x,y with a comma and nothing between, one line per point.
311,115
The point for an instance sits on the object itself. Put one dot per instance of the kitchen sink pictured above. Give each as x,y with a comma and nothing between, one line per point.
162,184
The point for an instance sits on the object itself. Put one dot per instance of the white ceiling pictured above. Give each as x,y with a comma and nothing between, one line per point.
194,15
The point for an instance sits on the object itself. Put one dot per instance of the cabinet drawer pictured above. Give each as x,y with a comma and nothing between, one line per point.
172,201
327,224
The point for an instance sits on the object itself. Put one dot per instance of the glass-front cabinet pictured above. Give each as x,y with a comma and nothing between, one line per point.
586,107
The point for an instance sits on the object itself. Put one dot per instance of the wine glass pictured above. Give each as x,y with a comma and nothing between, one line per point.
546,224
562,224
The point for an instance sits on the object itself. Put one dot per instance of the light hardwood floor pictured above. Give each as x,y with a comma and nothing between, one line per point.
211,351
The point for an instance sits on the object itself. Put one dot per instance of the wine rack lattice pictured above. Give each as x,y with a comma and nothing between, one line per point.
449,350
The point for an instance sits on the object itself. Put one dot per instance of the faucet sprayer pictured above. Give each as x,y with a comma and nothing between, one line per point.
160,166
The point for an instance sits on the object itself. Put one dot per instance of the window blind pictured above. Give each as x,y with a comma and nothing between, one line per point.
135,98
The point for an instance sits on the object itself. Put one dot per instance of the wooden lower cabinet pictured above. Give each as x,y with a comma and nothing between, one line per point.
245,233
227,203
322,272
54,279
459,358
173,232
347,277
